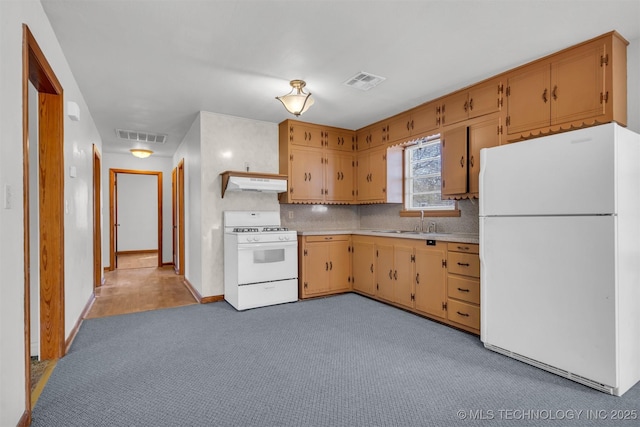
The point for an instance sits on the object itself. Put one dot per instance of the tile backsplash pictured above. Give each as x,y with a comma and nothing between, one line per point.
380,216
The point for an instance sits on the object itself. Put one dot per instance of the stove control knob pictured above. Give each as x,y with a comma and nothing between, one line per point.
286,237
248,238
256,238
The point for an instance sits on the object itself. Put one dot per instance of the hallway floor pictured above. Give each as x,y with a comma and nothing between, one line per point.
130,289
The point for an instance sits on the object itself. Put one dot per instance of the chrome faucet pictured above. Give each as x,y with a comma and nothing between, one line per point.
422,221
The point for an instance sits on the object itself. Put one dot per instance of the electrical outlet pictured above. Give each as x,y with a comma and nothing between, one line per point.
290,214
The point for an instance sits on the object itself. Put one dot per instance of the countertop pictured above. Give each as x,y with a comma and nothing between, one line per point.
443,237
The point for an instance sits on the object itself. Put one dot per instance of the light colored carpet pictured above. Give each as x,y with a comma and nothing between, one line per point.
339,361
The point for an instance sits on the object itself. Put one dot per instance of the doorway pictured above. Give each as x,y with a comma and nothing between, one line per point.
48,223
115,223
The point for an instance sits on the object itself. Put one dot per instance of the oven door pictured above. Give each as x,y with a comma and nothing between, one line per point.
267,262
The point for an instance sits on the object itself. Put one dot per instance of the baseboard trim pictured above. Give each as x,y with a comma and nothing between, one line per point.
167,264
76,327
138,251
25,419
193,290
213,298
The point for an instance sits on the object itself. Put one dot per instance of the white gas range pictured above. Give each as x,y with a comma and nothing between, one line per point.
260,260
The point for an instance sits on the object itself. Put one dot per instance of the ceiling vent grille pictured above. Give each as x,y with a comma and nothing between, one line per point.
364,81
132,135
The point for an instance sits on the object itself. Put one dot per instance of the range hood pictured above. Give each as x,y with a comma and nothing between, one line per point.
253,181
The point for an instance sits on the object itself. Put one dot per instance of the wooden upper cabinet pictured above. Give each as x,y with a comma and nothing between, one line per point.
340,177
577,84
580,86
528,99
481,135
419,121
306,176
340,140
371,137
479,100
454,161
301,134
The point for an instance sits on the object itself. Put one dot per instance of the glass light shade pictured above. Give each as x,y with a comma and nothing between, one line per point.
141,152
297,101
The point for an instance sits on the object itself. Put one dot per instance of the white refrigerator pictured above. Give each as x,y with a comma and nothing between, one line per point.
560,254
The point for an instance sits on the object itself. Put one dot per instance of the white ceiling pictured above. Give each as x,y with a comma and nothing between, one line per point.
151,65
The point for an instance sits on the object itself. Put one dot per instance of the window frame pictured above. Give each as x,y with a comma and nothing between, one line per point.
409,212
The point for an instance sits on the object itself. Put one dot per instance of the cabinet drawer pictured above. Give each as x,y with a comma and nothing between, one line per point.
464,289
471,248
463,313
465,264
327,238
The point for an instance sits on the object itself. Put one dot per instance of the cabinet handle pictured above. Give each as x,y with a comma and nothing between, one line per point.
466,106
471,161
326,266
408,125
463,290
463,264
305,176
395,274
544,96
417,278
371,267
309,176
330,265
390,274
463,248
554,94
462,314
471,104
411,124
462,161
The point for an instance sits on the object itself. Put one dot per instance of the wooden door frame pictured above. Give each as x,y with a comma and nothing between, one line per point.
97,218
181,240
37,70
112,204
174,217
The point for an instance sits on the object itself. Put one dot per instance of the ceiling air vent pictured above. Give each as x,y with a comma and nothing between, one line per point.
132,135
364,81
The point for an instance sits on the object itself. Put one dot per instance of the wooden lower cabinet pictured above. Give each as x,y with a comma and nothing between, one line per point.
324,265
434,279
363,265
463,286
430,279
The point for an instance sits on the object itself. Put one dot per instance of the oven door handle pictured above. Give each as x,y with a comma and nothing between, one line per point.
266,245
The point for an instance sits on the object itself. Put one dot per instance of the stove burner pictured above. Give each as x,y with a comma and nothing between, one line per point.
275,229
245,230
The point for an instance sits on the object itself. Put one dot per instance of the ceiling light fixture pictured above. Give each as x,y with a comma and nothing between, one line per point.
297,101
141,152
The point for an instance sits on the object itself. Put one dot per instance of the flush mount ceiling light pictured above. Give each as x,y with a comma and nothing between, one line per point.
141,152
297,101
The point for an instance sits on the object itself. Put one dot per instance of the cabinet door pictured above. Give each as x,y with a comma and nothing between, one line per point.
484,99
307,175
316,269
528,99
341,140
378,175
363,179
430,278
455,108
384,271
339,168
403,274
309,136
454,161
425,119
481,135
340,265
399,128
363,266
577,84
